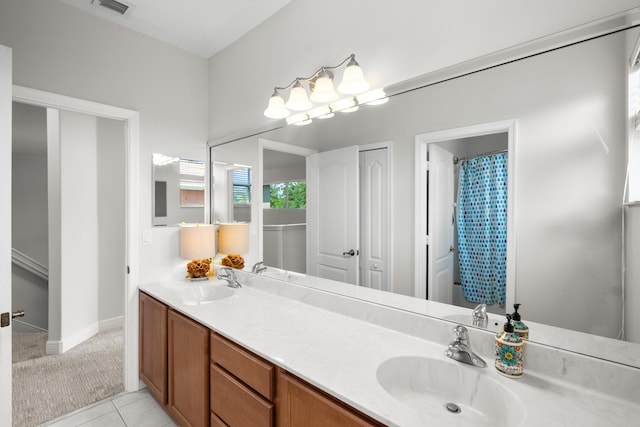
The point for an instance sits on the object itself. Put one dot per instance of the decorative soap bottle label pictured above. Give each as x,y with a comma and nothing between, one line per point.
509,357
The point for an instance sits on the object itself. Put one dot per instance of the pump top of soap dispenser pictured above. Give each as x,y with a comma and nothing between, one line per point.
508,327
508,334
516,316
518,325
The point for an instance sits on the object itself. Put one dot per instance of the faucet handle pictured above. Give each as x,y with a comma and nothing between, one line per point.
461,333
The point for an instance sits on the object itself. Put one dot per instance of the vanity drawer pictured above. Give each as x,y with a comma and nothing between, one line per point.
246,366
235,404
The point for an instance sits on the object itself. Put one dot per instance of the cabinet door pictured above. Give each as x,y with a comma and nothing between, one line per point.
188,371
153,346
301,405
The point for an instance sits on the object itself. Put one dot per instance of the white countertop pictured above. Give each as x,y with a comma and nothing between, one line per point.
341,354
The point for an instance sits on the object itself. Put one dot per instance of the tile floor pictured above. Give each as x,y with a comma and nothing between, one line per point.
122,410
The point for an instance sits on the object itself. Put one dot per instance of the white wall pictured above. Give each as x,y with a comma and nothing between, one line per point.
392,41
61,49
79,225
111,212
29,211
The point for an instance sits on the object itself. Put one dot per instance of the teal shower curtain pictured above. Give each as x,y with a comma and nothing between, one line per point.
482,228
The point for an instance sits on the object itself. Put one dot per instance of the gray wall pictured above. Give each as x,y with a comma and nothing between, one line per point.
111,218
393,42
60,49
29,211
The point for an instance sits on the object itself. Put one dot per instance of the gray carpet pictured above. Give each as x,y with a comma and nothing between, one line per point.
46,387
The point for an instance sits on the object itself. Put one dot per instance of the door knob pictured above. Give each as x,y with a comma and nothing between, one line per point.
350,253
19,313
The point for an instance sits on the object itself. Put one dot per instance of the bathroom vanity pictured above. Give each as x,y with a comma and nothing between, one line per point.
275,352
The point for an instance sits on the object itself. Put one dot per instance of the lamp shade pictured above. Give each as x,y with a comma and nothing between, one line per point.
276,108
353,81
197,241
233,238
298,100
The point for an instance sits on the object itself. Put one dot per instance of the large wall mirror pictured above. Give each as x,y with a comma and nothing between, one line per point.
178,190
554,112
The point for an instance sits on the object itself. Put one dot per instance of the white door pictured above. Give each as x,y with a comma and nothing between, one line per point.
374,219
332,215
5,232
440,225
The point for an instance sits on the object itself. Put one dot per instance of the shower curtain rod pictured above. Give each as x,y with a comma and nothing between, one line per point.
489,153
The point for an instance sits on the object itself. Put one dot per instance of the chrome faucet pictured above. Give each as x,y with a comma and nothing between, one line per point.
460,348
229,275
479,316
258,267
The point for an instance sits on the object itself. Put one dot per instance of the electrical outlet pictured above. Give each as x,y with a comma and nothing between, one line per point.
5,320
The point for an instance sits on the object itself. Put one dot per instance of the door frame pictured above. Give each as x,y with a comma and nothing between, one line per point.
132,153
421,202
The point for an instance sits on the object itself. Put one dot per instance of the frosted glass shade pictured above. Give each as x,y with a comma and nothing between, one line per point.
298,100
323,90
374,97
346,105
353,81
233,238
197,241
276,108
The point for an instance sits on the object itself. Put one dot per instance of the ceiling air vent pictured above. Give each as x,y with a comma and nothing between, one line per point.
114,5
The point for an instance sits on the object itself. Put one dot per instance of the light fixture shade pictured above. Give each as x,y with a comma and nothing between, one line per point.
346,105
197,241
323,90
323,112
298,118
353,81
373,97
276,108
233,238
298,100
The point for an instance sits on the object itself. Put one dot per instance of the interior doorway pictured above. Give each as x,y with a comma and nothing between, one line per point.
132,120
68,199
442,249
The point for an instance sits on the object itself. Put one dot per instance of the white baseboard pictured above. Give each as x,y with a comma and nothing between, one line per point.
21,326
113,323
54,347
67,343
59,347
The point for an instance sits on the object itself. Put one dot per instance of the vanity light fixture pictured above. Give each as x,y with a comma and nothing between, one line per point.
322,92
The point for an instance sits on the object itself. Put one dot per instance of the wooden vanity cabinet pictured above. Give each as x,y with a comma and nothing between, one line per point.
153,346
188,371
242,386
202,378
300,404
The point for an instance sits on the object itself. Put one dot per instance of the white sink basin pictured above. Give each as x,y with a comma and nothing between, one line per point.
205,294
495,324
428,386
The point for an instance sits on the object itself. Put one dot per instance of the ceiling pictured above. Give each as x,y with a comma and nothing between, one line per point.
203,27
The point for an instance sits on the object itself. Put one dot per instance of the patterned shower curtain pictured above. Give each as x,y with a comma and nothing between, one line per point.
482,228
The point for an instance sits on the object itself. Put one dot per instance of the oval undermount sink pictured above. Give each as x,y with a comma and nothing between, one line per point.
205,294
495,323
460,394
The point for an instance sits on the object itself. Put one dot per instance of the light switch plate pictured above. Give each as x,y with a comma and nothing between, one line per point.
146,238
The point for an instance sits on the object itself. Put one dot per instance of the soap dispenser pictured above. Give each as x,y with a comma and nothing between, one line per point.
518,325
509,351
